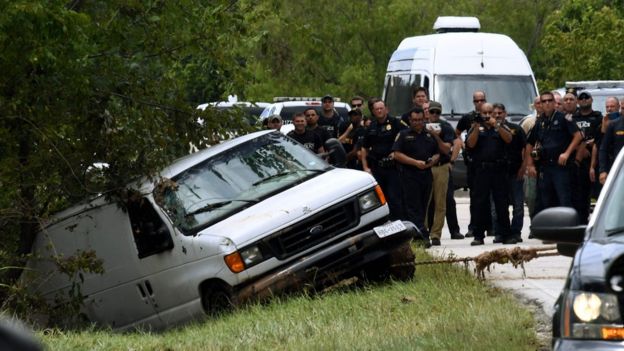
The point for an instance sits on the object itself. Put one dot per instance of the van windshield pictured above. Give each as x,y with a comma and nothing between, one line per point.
454,92
238,178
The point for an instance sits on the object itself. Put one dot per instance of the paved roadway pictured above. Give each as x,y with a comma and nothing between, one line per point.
545,276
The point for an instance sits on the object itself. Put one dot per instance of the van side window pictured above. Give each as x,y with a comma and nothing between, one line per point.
150,233
399,90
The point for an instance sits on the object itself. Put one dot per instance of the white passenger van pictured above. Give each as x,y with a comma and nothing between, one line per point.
251,217
455,62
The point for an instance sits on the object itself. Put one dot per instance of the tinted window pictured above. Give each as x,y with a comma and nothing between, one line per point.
455,93
398,92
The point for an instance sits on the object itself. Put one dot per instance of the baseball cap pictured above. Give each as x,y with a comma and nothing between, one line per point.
584,95
434,105
327,97
272,118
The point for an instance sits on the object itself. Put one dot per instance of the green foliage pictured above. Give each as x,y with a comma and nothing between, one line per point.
581,42
310,48
105,81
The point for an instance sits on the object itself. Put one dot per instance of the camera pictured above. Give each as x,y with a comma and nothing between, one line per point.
479,119
536,154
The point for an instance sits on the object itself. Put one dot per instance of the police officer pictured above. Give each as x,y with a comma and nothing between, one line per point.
312,124
352,137
550,145
440,173
305,136
487,140
330,119
589,123
376,155
417,150
611,144
466,121
516,168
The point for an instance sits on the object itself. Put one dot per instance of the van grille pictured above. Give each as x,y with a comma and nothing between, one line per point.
314,230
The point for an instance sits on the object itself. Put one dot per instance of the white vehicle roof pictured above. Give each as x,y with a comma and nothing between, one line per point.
277,107
227,104
478,53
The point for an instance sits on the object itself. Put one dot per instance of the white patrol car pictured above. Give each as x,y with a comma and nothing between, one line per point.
287,107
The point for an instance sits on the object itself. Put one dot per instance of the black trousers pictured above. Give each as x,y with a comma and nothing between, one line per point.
416,187
581,189
490,181
451,207
388,180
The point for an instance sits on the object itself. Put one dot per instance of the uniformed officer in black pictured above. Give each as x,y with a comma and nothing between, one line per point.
611,145
352,137
376,155
305,137
589,123
487,141
416,150
554,138
463,125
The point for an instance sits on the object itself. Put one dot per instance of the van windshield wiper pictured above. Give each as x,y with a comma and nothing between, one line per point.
615,231
215,205
285,173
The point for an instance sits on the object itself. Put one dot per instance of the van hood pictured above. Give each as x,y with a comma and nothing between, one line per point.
291,205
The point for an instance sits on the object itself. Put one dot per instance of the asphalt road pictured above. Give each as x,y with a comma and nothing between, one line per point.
542,279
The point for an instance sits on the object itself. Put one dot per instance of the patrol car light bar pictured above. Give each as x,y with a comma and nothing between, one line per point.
595,84
299,98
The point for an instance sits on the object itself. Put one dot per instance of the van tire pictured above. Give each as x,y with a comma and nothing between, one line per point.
217,300
402,263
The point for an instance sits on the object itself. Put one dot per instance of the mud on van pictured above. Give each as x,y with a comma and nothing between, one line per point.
243,220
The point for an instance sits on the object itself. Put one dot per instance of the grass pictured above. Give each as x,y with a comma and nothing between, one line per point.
443,308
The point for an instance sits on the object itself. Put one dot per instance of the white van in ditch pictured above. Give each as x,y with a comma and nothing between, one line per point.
455,62
254,216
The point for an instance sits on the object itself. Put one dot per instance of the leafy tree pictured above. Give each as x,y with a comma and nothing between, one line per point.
581,42
105,81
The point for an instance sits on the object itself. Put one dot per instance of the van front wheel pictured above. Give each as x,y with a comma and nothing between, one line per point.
402,263
217,300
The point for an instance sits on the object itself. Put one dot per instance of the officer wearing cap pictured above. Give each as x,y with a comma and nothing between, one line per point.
487,141
376,154
589,123
275,122
417,150
550,146
330,119
351,139
440,173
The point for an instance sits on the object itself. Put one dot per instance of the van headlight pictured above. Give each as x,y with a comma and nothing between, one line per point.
248,257
590,315
371,200
251,256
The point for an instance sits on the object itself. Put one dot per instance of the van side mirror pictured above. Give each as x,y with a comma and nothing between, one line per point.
336,152
561,226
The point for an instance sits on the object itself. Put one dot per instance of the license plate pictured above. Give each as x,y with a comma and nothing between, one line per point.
389,229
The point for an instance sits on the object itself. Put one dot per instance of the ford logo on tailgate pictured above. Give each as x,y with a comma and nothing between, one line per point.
317,229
